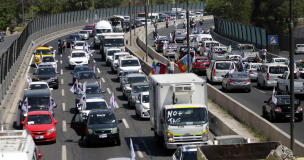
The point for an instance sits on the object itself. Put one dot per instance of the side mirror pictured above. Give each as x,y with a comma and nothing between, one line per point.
162,121
22,122
56,122
103,91
265,101
119,121
40,155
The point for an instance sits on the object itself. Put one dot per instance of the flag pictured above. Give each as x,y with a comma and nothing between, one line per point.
33,43
25,105
175,42
294,61
86,21
83,47
200,31
100,83
84,87
298,74
230,68
74,88
229,49
36,65
257,58
209,57
75,41
94,22
170,36
132,150
29,80
41,55
78,106
274,98
112,103
198,38
160,68
95,16
83,99
153,68
52,104
154,29
183,65
70,47
94,68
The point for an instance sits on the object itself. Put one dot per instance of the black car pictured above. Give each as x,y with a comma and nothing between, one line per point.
93,91
138,23
281,109
47,74
1,37
87,76
159,43
98,127
71,39
127,23
79,69
183,50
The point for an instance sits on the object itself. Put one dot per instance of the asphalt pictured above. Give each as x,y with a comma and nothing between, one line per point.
255,99
7,42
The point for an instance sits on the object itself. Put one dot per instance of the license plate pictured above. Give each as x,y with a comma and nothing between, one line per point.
202,64
103,136
39,137
287,115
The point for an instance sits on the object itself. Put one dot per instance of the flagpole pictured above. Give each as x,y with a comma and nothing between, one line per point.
146,32
188,36
130,27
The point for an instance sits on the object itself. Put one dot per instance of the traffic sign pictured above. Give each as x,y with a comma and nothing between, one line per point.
272,39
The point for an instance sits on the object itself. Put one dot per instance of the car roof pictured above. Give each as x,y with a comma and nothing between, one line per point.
140,84
38,113
118,53
201,57
78,50
37,82
136,75
37,93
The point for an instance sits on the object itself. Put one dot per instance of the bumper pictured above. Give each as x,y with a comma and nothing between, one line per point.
46,137
199,70
95,138
297,91
299,52
282,115
145,113
217,78
238,86
176,145
53,83
253,76
170,54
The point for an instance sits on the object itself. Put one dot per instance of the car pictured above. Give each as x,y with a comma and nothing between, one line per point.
200,65
49,60
44,51
181,15
116,57
281,109
207,45
129,79
41,125
191,16
108,56
39,85
268,74
142,106
71,39
236,81
1,37
300,64
92,104
47,74
218,52
79,69
136,89
82,45
84,34
299,49
219,68
53,51
87,76
179,35
170,50
138,23
90,29
78,57
183,51
230,139
93,91
126,18
185,152
128,62
101,126
162,18
159,43
278,60
252,70
125,72
127,23
198,14
234,57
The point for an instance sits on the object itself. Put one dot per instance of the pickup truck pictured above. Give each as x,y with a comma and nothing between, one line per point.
245,50
283,83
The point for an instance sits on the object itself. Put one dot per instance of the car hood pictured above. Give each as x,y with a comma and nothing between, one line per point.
101,126
78,59
146,105
88,81
46,76
135,94
39,127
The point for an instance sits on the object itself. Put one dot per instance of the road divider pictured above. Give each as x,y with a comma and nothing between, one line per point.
61,81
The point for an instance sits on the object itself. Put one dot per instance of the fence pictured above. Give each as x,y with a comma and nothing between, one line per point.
241,33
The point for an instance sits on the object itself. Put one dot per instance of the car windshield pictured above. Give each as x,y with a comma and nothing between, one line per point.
230,141
256,66
223,66
143,20
103,31
45,65
298,76
197,13
137,89
114,42
280,60
79,43
78,54
127,23
93,90
186,116
145,99
38,86
120,55
129,72
48,59
87,76
300,45
201,60
192,15
126,63
88,28
96,105
44,52
131,80
83,32
185,49
115,23
189,155
81,69
238,75
286,101
219,49
35,103
101,118
277,69
74,36
45,71
153,17
38,119
111,53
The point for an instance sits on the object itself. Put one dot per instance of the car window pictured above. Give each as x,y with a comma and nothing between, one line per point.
238,75
44,52
45,71
80,43
111,53
126,63
278,69
38,86
246,47
223,66
137,89
286,101
131,80
113,42
119,55
103,31
88,28
201,60
87,76
280,60
81,69
48,59
96,105
37,103
83,32
101,118
38,119
208,45
145,99
177,153
93,90
129,72
190,155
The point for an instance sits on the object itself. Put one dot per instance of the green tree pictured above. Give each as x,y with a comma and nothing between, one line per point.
8,15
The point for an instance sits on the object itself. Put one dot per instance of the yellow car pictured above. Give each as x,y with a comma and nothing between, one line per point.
46,52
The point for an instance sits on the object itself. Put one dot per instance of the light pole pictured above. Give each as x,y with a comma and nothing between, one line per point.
146,26
134,16
130,27
188,25
151,12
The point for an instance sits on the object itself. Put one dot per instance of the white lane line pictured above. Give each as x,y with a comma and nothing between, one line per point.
61,55
62,92
63,153
138,151
61,71
91,55
98,70
94,61
61,81
260,90
60,61
63,107
64,129
125,123
116,105
102,80
109,90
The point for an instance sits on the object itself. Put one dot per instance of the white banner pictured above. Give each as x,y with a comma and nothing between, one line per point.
132,150
74,88
52,104
274,98
25,105
112,103
28,79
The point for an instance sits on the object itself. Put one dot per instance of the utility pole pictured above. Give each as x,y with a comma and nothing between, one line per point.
151,12
134,16
188,32
130,27
146,31
23,13
292,145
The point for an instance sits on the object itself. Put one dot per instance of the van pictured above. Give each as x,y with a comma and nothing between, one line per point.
17,144
268,74
206,45
154,17
101,27
219,52
218,69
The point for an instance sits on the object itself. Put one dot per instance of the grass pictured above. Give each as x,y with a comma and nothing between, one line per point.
256,133
19,29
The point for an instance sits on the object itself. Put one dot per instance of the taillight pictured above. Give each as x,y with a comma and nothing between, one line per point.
299,108
204,49
296,48
179,53
248,80
167,51
195,54
174,35
183,40
159,44
230,80
267,76
214,72
278,109
250,72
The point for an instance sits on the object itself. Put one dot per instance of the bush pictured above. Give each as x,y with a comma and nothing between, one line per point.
11,28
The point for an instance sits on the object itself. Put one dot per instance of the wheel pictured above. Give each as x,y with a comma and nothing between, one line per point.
249,90
300,119
156,137
117,140
136,113
258,84
55,140
287,91
87,142
70,66
56,87
227,90
263,112
271,119
223,87
129,103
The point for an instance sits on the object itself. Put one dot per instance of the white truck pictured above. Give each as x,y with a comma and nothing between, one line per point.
283,83
111,40
245,50
179,109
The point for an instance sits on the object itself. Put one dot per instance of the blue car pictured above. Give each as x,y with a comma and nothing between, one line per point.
79,69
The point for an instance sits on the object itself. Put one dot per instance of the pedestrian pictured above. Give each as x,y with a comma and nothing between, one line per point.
170,66
64,46
59,46
264,52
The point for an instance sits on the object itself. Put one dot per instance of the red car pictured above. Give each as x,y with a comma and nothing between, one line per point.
200,65
89,28
41,125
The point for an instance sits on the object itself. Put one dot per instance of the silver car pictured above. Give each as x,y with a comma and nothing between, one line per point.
236,81
299,49
185,153
170,50
252,70
218,52
84,34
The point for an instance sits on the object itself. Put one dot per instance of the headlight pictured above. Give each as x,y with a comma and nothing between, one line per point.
205,136
90,131
133,97
170,140
71,62
86,61
114,130
27,131
51,130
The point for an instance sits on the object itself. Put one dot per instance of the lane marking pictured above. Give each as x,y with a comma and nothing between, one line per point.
125,123
61,71
117,106
98,70
63,107
64,129
61,55
138,151
61,81
62,92
102,80
63,153
94,60
91,55
260,90
60,61
109,90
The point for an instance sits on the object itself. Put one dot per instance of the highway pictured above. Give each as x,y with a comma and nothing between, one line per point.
253,100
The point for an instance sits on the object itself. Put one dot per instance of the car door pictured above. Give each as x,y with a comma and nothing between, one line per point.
78,124
209,70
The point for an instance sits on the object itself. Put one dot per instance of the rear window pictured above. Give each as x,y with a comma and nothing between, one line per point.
280,60
208,45
219,49
185,49
223,66
300,45
286,101
202,60
256,66
238,75
299,76
246,47
277,70
88,28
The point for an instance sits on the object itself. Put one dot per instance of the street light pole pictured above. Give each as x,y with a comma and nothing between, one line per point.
151,12
146,31
188,32
134,16
130,27
292,145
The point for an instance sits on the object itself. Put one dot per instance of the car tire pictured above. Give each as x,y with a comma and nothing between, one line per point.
55,140
70,66
300,119
87,143
118,142
249,90
223,88
156,138
211,81
56,87
136,112
227,90
129,103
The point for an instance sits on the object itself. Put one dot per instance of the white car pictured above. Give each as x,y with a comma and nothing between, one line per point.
279,60
38,85
192,15
49,60
218,69
268,74
115,60
299,49
127,62
84,34
78,57
79,45
142,106
108,57
252,70
91,104
198,14
53,51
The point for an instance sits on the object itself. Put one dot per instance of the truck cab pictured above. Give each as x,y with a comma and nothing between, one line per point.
245,50
111,40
